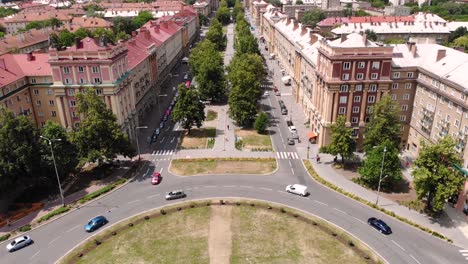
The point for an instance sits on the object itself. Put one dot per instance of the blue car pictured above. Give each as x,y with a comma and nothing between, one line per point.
380,225
95,223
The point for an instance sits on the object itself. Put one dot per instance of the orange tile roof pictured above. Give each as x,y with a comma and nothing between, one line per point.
90,22
41,16
23,40
16,66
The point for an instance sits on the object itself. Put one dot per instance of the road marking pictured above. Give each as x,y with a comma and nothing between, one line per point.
398,245
172,140
69,230
281,191
153,196
133,201
161,170
339,210
359,220
415,259
267,189
210,186
229,186
53,240
250,187
162,140
321,203
290,164
292,171
34,255
295,155
463,250
147,171
154,151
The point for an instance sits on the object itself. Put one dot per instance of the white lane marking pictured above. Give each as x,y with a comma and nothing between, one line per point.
359,220
398,245
147,171
295,155
133,201
153,196
463,250
162,140
290,164
339,210
321,203
277,155
154,151
250,187
267,189
281,191
415,259
161,170
210,186
75,227
53,240
172,140
34,254
229,186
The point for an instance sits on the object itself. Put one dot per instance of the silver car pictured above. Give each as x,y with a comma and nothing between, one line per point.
18,243
177,194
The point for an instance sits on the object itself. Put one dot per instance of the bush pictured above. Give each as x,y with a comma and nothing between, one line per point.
55,212
261,123
25,228
102,191
5,237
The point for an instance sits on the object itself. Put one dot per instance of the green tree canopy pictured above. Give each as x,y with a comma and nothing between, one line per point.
342,141
371,35
142,18
238,8
215,34
223,15
435,178
384,124
312,17
261,123
210,75
197,56
4,12
124,24
99,137
189,110
462,42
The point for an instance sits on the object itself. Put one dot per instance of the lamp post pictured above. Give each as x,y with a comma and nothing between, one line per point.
55,165
138,145
380,176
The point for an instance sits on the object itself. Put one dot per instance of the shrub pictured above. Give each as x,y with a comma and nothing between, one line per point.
55,212
102,191
5,237
25,228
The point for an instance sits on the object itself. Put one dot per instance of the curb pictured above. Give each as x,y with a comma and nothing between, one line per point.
72,209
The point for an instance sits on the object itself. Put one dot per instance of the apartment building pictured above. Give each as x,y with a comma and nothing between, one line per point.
32,40
19,21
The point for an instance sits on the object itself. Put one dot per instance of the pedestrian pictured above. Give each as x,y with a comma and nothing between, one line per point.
228,127
317,158
335,159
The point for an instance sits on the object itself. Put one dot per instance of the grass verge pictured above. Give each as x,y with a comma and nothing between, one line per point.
102,191
321,180
252,140
198,138
191,167
211,115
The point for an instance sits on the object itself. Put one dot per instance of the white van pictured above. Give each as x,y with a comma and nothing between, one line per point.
297,189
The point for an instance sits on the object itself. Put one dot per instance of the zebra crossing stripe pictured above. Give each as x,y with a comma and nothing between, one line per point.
295,155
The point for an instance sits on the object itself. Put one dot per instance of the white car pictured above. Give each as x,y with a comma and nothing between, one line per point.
186,76
266,93
297,189
18,243
292,129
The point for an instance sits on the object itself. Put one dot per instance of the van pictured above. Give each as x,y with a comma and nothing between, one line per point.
297,189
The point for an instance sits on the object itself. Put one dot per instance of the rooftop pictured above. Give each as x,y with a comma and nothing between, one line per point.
353,40
23,40
17,66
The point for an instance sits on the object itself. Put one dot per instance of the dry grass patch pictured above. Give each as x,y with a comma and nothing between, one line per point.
252,140
211,115
191,167
198,138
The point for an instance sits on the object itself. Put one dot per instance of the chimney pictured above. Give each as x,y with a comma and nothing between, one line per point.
134,33
296,25
313,37
77,43
29,56
414,49
441,54
343,38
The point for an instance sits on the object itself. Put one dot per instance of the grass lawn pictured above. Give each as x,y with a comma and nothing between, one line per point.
198,138
211,115
254,141
191,167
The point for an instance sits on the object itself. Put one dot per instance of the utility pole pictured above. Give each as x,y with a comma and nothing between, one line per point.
55,165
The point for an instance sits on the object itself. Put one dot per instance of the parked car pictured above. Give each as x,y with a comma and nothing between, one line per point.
177,194
168,112
277,93
297,189
157,131
18,243
291,141
284,111
95,223
281,103
165,117
161,125
289,123
154,137
156,179
266,93
292,129
186,76
380,225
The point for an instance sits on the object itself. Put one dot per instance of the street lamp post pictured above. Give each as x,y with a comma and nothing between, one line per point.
55,165
380,176
138,145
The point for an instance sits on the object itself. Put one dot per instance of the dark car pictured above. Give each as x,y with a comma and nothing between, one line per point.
175,195
281,103
380,225
290,141
284,111
289,123
95,223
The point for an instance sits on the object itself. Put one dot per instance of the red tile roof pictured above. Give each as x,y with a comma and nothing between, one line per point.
16,66
23,40
330,21
138,46
89,44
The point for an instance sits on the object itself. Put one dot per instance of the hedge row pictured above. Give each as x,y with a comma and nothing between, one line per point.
5,237
55,212
316,177
221,159
102,191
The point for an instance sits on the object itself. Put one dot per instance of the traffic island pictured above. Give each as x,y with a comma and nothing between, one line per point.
208,166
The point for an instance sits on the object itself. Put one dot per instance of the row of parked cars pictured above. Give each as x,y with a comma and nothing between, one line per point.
284,110
164,118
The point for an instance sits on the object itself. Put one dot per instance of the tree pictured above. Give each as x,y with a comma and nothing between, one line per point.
189,109
371,35
99,137
66,154
299,2
66,38
215,34
312,17
462,42
203,20
372,167
223,15
384,124
198,54
247,44
342,142
54,23
4,12
142,18
238,8
123,24
435,177
261,123
459,32
34,25
210,76
82,33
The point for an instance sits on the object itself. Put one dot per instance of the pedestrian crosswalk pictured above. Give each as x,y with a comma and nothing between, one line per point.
464,253
287,155
162,152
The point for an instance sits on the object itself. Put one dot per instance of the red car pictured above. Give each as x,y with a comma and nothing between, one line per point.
156,179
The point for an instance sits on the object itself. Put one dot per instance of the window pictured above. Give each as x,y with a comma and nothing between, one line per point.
341,110
72,103
394,97
50,91
450,104
406,97
95,69
38,103
374,76
358,87
457,123
71,92
404,108
355,132
97,80
410,74
407,85
355,109
357,98
82,81
344,88
98,91
53,113
373,88
345,76
447,118
371,99
394,86
51,102
361,65
26,98
36,91
396,75
346,65
459,109
402,118
80,69
40,113
68,81
360,76
343,99
33,80
375,65
42,123
354,120
66,70
74,114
